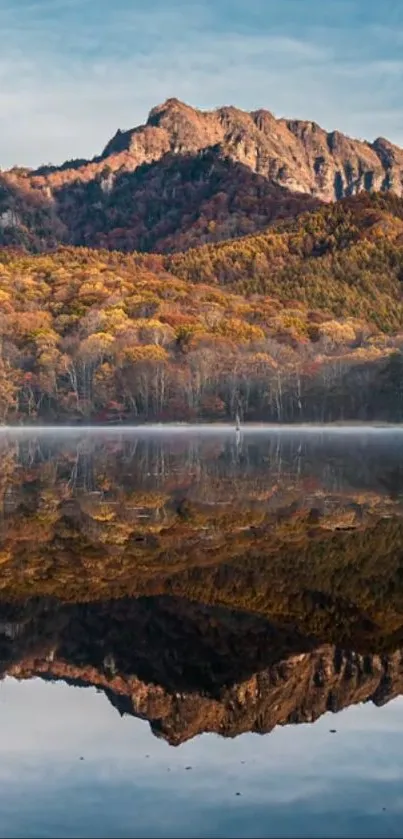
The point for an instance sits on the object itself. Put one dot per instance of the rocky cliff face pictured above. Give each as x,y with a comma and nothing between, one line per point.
187,177
296,154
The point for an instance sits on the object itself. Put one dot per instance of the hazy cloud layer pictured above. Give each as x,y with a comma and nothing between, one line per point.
73,71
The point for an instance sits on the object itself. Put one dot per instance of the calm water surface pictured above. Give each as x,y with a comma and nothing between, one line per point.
201,633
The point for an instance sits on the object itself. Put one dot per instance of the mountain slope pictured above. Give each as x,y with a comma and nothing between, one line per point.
188,177
179,202
344,257
172,204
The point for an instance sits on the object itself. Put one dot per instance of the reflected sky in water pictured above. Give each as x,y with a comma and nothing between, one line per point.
298,781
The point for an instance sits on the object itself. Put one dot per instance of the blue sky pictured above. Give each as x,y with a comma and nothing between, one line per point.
73,71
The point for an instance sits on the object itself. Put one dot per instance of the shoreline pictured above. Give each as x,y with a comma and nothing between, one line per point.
178,427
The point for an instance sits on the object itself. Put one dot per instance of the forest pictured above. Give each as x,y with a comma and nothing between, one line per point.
302,322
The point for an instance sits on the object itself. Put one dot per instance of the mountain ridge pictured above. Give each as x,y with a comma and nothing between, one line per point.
187,177
175,127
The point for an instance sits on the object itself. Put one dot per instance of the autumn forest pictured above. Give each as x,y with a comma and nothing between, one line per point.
302,322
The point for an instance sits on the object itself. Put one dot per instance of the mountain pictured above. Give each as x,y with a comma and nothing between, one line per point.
296,316
188,177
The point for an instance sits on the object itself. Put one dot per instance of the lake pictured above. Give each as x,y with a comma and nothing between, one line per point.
201,632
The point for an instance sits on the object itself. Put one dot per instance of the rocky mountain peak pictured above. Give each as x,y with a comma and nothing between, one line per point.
171,107
296,154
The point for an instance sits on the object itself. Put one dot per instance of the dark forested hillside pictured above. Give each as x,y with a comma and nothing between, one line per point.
184,202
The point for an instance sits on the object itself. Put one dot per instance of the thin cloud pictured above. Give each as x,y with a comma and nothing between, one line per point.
65,90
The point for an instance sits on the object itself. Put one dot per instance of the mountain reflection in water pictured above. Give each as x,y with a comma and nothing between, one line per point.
206,582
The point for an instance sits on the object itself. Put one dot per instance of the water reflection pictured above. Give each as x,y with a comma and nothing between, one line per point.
205,582
201,584
189,669
299,782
